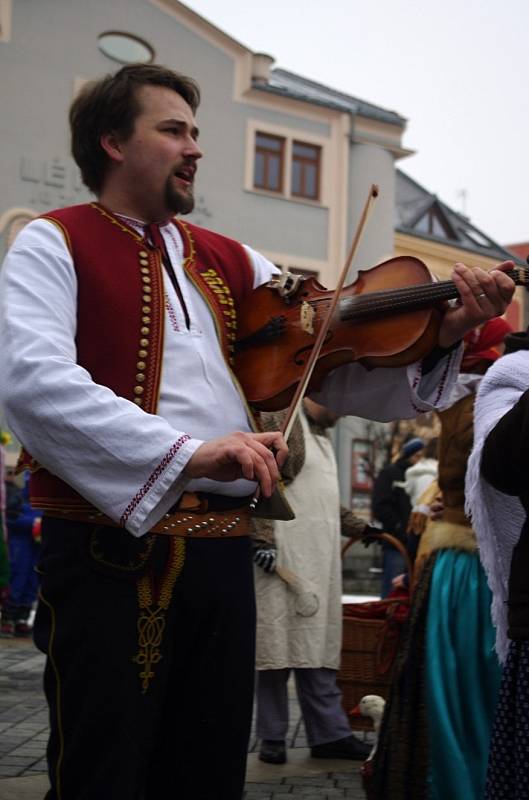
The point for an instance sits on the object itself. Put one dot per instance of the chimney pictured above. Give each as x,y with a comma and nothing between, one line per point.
261,66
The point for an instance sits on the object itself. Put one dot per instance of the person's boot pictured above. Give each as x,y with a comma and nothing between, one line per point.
273,751
348,747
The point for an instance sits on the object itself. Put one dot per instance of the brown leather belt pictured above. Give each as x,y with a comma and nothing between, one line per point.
190,519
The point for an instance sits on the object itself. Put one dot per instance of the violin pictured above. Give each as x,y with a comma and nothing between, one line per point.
388,317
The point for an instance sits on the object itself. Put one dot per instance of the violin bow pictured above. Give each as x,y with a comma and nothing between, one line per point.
257,502
301,388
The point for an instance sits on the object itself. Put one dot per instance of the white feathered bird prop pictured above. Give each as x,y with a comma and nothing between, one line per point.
372,706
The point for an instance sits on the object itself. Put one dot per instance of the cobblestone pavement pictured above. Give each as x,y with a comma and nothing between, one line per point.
326,786
23,736
23,712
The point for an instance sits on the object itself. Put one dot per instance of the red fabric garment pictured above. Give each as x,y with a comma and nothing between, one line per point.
484,342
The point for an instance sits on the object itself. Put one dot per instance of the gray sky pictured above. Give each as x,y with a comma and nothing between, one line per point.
457,70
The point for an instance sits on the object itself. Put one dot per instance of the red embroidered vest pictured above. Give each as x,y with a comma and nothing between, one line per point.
120,311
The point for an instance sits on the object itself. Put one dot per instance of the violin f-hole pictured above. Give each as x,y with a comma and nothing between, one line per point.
300,355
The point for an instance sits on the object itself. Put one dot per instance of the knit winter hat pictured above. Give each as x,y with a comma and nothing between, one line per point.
412,446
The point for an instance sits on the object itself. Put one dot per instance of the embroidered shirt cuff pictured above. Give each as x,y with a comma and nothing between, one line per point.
162,489
432,391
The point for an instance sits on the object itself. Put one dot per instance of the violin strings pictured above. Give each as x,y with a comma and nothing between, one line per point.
389,298
415,297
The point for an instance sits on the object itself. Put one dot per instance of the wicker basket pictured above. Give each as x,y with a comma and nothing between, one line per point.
371,633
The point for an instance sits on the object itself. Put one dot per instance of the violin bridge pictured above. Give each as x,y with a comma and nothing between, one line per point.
306,317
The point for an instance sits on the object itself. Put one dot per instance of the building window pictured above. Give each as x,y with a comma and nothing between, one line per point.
125,48
269,162
432,224
305,170
286,165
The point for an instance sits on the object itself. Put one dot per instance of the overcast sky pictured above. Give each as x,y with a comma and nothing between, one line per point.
458,70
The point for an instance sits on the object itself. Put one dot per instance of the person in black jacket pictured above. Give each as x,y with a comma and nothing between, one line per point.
391,507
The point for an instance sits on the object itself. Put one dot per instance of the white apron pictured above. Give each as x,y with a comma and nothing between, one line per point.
309,546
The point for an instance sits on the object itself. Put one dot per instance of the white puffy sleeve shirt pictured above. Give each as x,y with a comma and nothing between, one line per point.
107,448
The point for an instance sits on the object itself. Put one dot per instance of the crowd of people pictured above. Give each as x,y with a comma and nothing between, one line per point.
435,738
118,328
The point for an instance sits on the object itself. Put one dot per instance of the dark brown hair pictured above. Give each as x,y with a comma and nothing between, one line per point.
111,104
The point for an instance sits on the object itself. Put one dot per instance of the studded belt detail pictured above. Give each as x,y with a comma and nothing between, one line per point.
209,524
215,524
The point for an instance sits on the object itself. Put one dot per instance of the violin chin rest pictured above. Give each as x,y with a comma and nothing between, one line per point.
275,507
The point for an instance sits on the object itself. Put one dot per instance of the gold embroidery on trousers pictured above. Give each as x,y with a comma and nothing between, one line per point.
151,621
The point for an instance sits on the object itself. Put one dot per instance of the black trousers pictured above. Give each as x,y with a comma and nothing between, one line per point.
150,663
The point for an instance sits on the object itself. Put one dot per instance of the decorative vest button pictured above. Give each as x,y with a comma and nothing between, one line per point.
138,390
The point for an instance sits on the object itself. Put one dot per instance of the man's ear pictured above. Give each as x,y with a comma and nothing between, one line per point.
111,144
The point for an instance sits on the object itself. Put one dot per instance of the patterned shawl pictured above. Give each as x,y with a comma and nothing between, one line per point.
497,518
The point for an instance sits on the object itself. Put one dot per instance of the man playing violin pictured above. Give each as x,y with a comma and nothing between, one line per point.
118,326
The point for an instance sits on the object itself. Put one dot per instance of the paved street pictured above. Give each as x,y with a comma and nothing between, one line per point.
23,734
23,713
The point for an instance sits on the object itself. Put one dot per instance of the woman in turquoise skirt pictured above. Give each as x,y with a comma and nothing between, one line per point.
435,736
462,676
